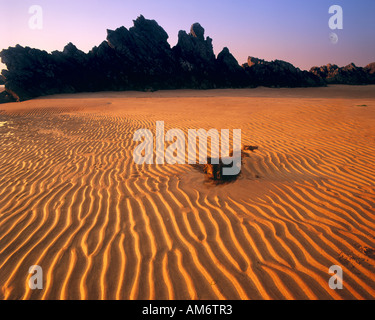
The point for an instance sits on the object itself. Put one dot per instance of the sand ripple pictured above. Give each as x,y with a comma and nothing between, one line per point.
101,227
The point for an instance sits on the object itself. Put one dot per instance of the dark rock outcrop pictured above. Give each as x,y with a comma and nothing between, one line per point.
197,31
370,69
5,97
350,74
143,57
134,59
2,80
140,58
30,72
196,59
229,73
279,73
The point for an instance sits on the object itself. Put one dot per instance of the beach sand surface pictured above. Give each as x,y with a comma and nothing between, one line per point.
73,201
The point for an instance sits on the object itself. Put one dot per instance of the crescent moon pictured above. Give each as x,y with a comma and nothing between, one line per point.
333,38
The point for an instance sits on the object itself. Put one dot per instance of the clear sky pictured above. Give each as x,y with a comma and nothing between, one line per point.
295,31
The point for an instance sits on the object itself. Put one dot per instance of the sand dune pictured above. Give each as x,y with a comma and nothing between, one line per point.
73,201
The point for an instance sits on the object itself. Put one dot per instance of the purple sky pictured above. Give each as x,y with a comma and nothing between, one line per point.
294,31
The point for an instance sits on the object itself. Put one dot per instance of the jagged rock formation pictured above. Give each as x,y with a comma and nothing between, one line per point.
2,80
279,74
197,31
134,59
196,59
370,69
141,59
229,73
350,74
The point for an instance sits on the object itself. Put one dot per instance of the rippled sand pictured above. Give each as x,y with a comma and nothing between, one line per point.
101,227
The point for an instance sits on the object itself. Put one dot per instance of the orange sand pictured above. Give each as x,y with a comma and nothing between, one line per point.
73,201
